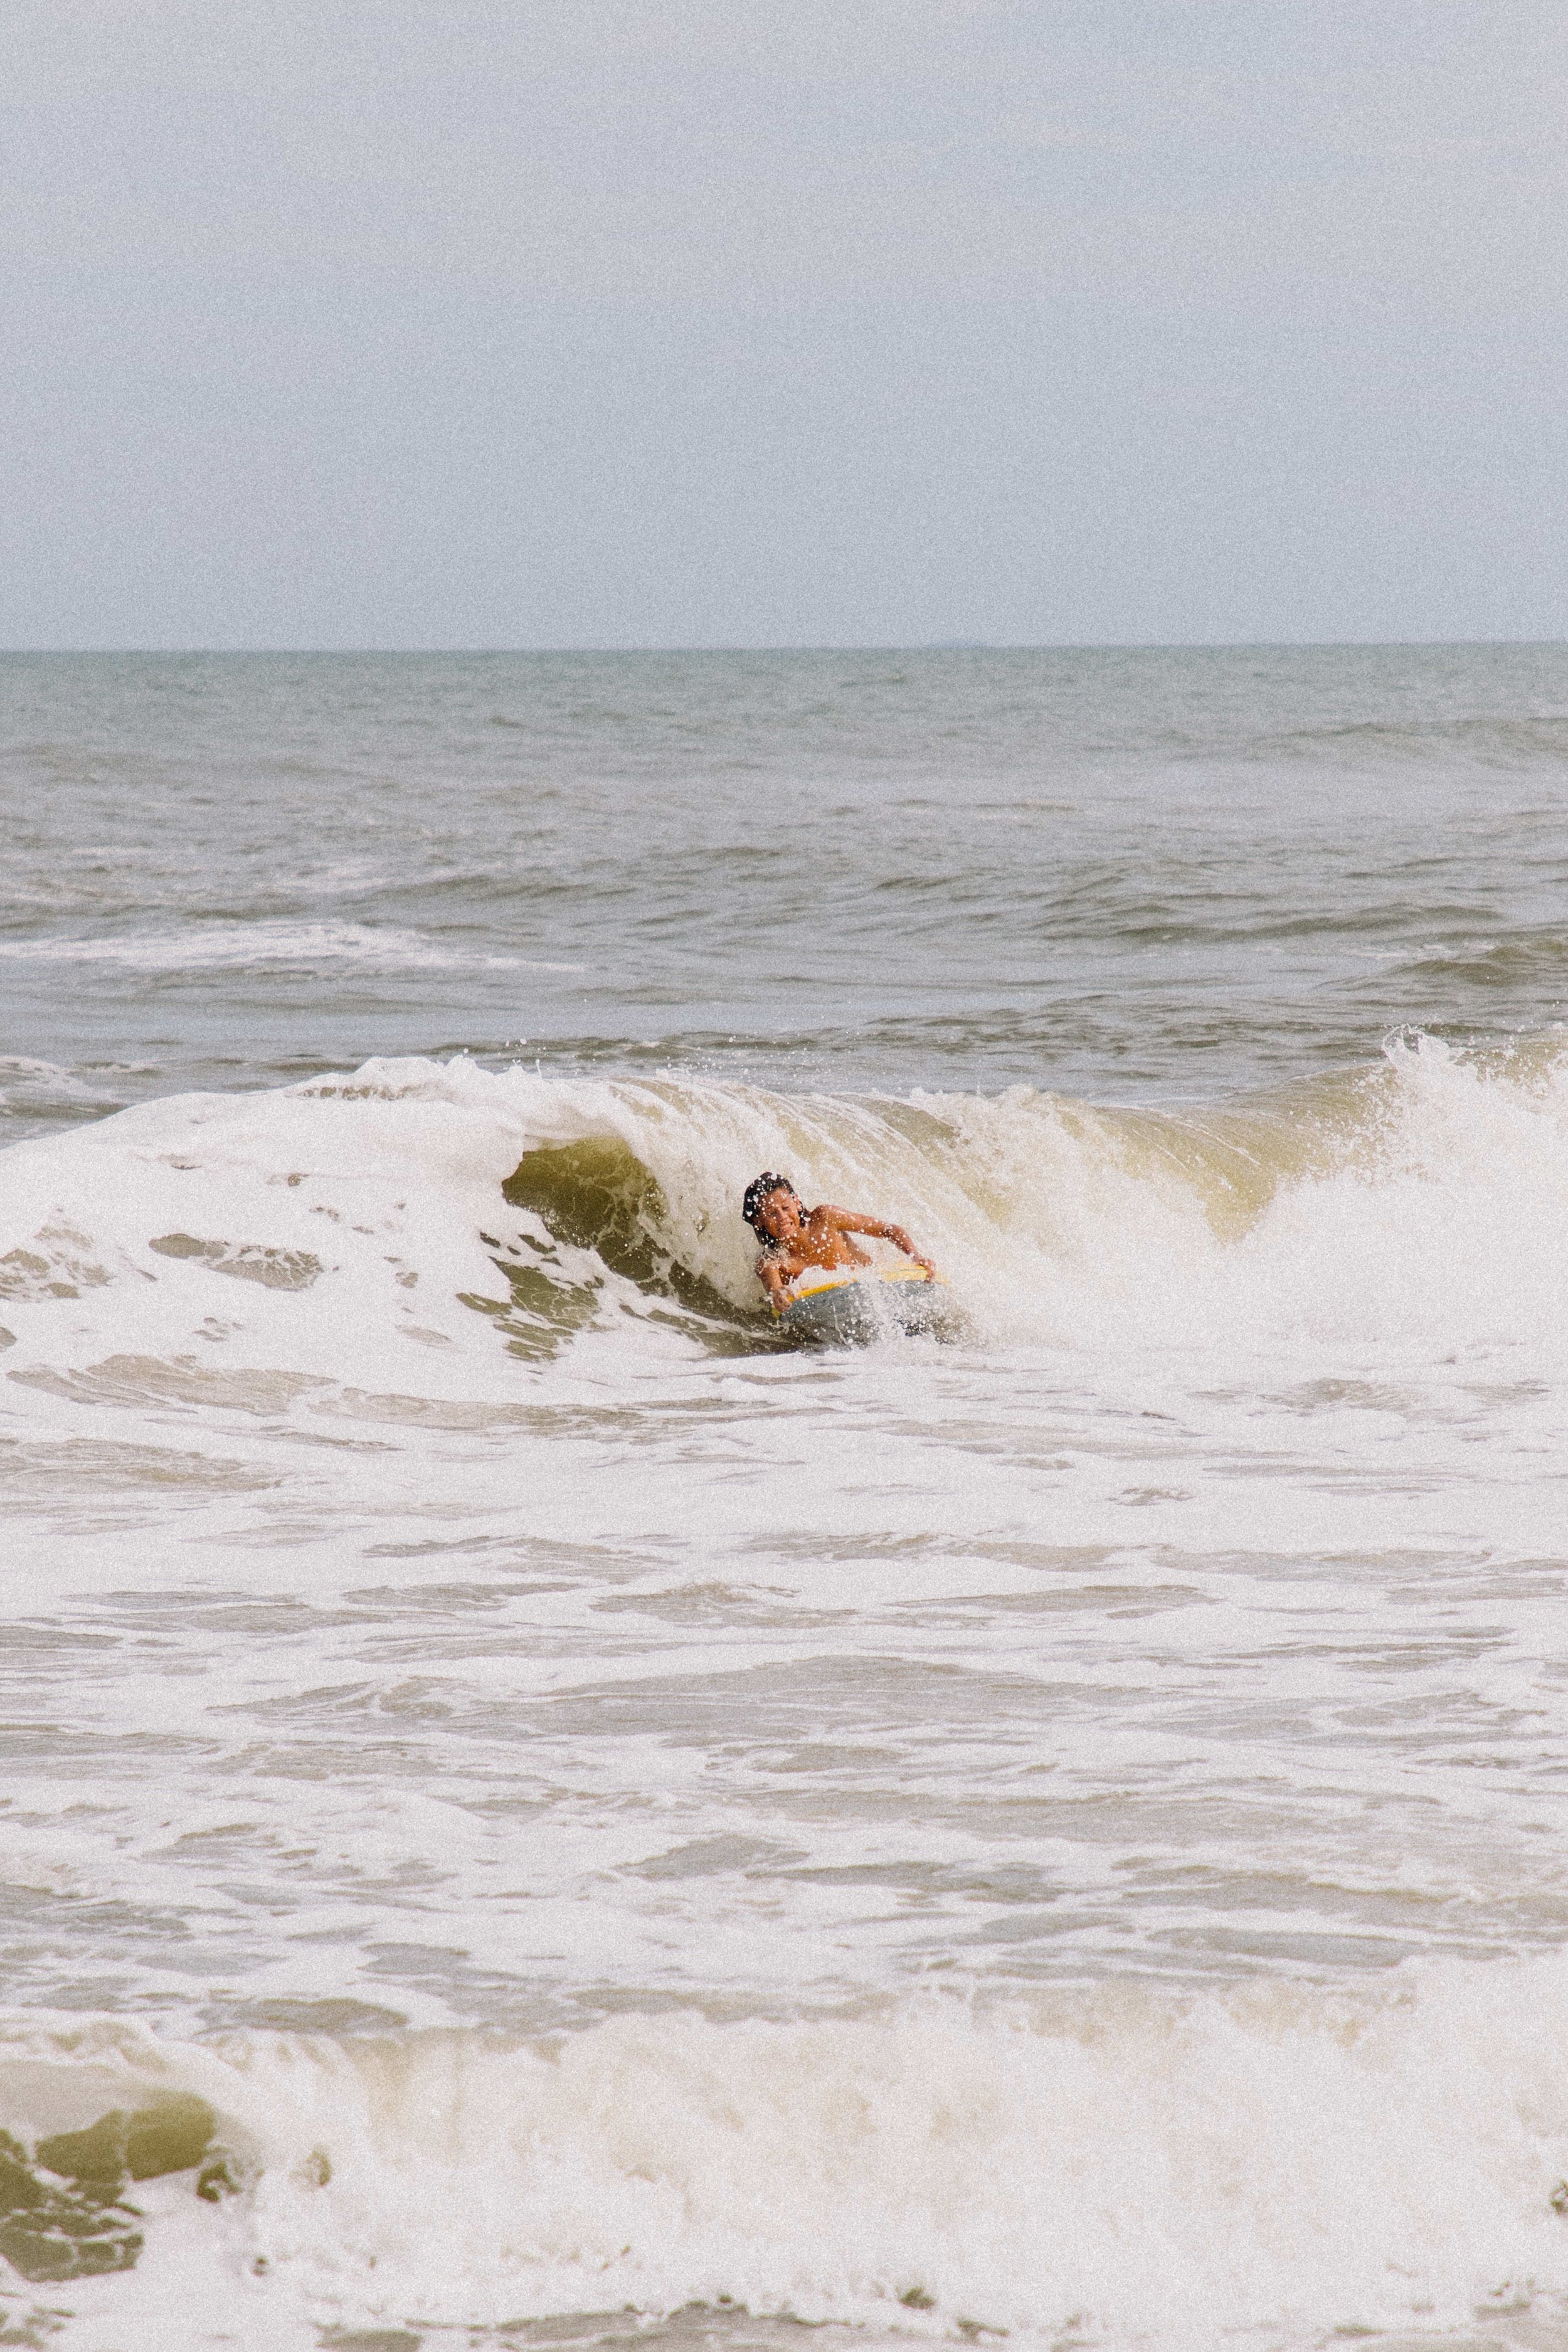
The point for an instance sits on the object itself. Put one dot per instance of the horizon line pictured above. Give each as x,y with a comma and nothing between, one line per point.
922,645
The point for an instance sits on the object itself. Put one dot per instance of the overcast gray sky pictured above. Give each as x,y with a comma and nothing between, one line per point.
600,322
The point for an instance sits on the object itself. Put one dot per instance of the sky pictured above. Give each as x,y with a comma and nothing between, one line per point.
773,322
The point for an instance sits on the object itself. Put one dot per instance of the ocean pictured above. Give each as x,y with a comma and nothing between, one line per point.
533,1814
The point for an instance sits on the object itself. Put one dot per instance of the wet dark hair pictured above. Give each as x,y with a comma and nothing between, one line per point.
757,1192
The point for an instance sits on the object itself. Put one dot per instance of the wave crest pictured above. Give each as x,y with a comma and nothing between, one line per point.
1120,2165
1416,1203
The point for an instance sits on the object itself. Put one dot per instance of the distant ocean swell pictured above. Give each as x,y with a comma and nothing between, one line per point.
1114,2165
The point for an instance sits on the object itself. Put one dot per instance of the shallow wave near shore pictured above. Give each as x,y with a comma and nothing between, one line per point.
1114,2166
1066,1842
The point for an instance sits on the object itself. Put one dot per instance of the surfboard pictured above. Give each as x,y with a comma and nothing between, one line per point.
856,1305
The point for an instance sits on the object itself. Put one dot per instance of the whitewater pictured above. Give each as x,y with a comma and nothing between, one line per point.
534,1813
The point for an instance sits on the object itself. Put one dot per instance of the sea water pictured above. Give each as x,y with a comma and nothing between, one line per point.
576,1824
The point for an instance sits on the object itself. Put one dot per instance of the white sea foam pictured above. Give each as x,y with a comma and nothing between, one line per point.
1116,2167
1422,1215
30,1085
420,1638
215,946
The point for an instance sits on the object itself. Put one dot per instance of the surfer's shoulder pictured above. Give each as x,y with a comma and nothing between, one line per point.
836,1220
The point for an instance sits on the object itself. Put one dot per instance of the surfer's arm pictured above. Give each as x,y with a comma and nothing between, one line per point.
848,1221
774,1281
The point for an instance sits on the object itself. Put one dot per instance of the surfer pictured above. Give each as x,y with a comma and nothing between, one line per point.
795,1236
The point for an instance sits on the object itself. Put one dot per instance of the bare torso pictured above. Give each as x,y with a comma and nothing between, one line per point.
821,1238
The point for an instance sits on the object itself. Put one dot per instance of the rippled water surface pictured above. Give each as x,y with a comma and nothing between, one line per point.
1151,873
592,1813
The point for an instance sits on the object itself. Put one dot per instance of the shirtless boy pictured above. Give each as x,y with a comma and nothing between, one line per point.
795,1236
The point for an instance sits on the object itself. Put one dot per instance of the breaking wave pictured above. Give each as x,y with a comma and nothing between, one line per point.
436,1244
1418,1205
1114,2167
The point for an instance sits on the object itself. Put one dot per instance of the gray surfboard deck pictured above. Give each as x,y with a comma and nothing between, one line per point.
857,1314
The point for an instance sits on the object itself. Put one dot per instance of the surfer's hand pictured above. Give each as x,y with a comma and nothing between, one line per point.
897,1234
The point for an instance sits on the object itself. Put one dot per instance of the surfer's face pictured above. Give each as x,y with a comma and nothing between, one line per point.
779,1216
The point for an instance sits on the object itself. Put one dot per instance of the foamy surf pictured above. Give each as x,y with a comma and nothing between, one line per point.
1110,2167
214,947
528,1814
1412,1208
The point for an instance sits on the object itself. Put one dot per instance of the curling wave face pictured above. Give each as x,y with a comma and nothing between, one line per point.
1054,1833
1415,1203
